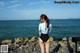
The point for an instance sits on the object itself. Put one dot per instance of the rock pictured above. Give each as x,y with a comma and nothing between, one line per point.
63,49
64,39
32,39
63,43
26,40
32,45
8,42
19,40
51,39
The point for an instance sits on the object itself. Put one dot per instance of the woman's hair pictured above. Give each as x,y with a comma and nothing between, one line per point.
43,16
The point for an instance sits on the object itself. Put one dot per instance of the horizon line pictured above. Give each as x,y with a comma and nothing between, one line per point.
38,19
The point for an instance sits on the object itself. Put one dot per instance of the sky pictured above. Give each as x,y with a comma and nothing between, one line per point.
32,9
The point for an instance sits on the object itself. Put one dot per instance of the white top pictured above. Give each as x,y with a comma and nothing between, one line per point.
43,28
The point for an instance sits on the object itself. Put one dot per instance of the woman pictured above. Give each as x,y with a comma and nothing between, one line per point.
44,30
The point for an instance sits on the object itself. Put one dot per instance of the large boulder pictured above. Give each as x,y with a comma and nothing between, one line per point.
7,42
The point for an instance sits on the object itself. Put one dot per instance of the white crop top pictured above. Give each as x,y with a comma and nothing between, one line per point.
43,28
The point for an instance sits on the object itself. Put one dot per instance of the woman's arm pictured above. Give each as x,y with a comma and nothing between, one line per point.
39,29
50,28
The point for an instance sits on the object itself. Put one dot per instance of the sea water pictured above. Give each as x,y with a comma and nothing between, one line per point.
10,29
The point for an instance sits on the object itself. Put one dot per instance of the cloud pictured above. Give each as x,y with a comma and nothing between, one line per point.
40,2
34,3
2,3
35,13
52,14
14,1
14,6
46,1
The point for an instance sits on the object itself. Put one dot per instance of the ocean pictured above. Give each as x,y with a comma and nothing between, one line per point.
10,29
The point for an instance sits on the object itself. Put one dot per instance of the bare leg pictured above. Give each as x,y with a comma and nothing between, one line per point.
47,46
41,45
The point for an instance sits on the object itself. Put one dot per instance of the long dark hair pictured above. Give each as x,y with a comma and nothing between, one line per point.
43,16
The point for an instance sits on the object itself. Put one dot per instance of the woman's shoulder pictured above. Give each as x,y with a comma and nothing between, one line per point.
40,24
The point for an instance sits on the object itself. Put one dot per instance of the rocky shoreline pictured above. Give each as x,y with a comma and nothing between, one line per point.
31,45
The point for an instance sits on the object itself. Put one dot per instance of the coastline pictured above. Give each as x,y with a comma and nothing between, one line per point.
31,45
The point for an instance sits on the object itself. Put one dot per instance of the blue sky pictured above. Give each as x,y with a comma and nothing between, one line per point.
32,9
